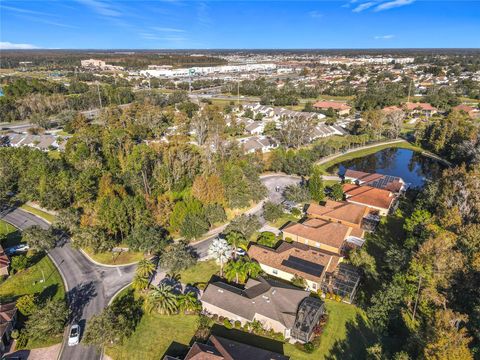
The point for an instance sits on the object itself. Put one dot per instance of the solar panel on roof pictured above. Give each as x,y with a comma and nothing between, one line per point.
302,265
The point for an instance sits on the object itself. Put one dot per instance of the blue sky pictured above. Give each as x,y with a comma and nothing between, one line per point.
172,24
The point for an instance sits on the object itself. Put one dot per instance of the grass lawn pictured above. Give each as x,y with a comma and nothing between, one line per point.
202,271
28,281
283,220
345,336
49,217
155,335
11,235
365,152
115,258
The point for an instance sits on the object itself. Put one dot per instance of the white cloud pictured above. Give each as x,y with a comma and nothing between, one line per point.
315,14
101,8
393,4
364,6
167,29
384,37
24,11
4,45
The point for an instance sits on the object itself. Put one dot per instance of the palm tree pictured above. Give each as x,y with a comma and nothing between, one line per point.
220,251
162,300
140,283
235,270
252,268
235,238
145,268
189,303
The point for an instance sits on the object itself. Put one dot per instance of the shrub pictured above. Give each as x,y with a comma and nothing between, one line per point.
237,324
338,298
288,239
296,212
15,334
267,238
19,263
308,347
299,281
227,324
27,304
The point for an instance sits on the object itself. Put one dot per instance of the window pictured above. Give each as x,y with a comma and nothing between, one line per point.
275,272
314,286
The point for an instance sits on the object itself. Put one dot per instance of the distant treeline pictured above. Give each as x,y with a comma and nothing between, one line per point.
64,59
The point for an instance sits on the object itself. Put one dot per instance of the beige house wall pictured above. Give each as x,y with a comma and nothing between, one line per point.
286,276
381,211
222,312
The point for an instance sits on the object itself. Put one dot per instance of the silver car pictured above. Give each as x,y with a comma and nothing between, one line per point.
74,335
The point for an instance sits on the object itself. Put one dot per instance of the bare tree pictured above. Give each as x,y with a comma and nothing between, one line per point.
395,122
295,131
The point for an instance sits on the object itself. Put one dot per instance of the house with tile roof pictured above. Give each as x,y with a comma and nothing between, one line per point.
391,183
420,108
296,259
280,307
4,262
340,108
220,348
8,318
341,212
323,234
376,199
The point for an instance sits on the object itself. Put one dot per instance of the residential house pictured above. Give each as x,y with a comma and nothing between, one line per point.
296,259
8,318
394,184
323,234
471,111
340,108
420,108
4,262
377,199
342,212
261,144
219,348
277,306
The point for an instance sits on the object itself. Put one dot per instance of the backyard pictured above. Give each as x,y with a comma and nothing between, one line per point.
347,331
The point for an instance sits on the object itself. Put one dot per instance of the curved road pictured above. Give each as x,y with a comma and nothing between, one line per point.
90,286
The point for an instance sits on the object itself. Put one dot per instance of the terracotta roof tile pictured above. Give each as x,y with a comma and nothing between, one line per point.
369,196
340,211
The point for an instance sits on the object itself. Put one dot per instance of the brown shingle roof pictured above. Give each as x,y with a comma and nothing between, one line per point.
276,258
276,301
238,351
341,211
369,196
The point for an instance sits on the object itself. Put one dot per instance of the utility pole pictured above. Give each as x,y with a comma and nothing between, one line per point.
99,97
416,299
409,86
238,93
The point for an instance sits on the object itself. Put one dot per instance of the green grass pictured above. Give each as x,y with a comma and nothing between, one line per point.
345,336
283,220
40,213
155,335
114,258
10,235
364,152
202,271
28,281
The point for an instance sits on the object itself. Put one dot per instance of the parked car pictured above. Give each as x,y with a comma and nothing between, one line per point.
240,252
74,335
20,248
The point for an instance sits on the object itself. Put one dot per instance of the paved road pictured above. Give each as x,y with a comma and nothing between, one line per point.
91,286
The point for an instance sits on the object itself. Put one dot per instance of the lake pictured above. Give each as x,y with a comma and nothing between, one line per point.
412,166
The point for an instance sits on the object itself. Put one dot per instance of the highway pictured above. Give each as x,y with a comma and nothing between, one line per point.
90,286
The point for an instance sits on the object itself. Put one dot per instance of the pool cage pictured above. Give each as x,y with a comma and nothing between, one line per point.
344,282
308,315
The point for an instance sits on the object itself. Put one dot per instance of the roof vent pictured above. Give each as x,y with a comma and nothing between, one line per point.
274,291
220,290
265,297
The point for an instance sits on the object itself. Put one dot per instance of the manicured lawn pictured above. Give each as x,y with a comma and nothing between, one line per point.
11,235
283,220
155,335
115,258
346,335
28,282
49,217
364,152
202,271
